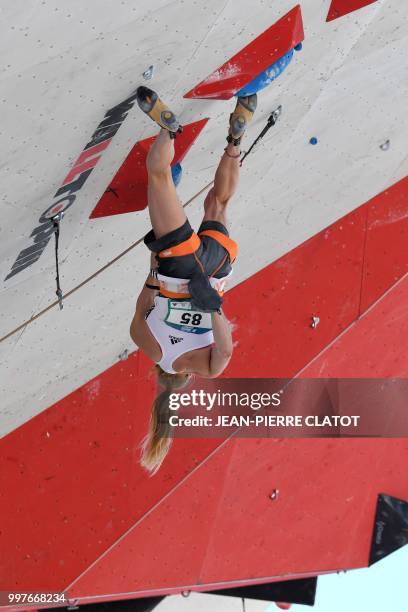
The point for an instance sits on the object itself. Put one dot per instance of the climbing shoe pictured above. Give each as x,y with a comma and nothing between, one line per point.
241,117
150,103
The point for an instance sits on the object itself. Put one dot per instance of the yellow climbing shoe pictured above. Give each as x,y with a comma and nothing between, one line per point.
150,103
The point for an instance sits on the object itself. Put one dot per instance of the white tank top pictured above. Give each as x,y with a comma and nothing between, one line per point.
178,329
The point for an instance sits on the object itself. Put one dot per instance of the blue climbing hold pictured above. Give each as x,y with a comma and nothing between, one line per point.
176,173
299,47
313,141
265,78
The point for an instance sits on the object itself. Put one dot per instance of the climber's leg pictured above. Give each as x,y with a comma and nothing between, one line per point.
227,174
165,208
225,185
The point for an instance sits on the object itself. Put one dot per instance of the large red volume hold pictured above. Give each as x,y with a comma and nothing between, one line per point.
253,59
339,8
127,191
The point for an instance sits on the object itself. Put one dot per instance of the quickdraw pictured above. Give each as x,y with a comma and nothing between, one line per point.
273,117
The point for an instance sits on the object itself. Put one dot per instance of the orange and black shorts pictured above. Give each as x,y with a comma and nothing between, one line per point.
179,252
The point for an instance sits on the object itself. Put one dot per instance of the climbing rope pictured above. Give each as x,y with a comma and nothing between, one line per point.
56,220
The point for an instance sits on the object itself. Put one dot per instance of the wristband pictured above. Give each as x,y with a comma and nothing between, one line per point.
149,286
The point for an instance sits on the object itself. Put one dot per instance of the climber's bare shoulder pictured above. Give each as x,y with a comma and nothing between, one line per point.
205,362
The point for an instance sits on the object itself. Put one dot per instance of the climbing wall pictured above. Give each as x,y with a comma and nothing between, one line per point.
321,218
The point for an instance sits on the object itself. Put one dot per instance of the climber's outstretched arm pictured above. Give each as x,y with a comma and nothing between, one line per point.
145,302
222,351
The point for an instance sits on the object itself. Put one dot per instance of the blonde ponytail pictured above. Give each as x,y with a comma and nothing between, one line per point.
157,442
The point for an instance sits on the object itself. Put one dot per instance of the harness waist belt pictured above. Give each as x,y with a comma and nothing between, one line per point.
177,288
184,248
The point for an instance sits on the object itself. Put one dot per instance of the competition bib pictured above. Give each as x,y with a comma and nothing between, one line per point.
181,316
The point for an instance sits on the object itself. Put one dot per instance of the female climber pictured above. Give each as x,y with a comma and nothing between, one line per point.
178,321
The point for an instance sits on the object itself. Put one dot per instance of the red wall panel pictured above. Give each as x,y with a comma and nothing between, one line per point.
386,249
375,346
221,525
170,544
73,479
273,310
